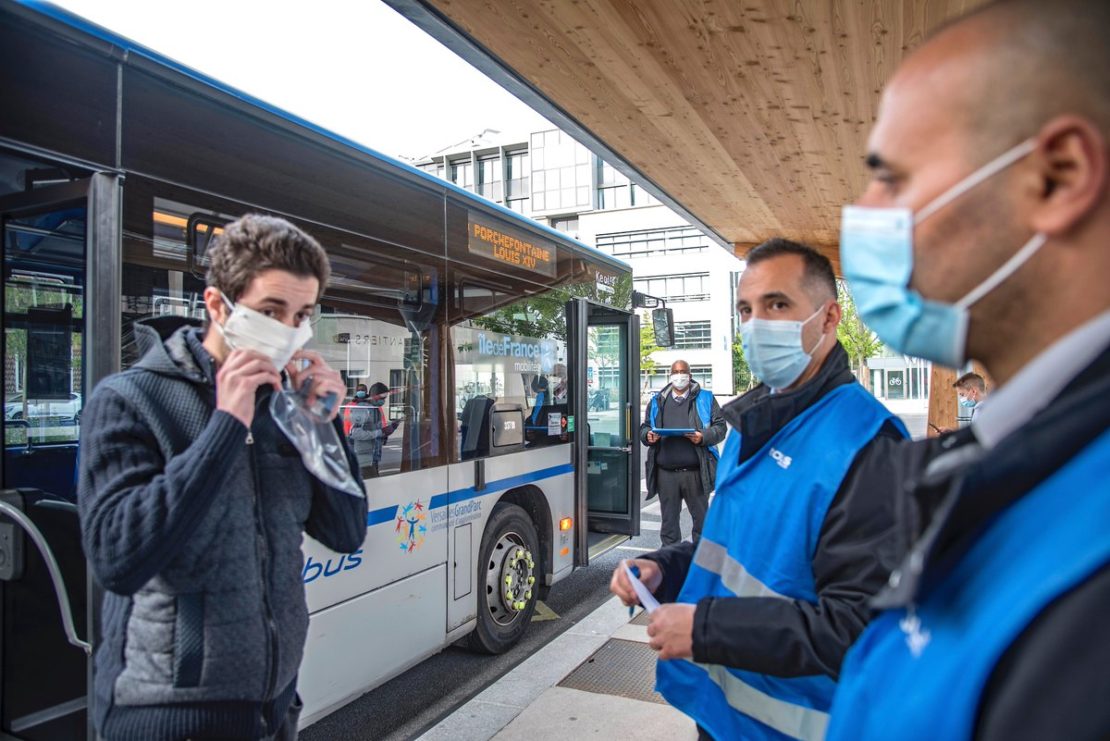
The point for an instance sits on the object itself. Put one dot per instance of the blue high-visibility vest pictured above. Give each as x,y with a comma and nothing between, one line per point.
703,403
920,674
759,539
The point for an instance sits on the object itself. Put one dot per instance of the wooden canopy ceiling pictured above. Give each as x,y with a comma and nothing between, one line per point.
749,116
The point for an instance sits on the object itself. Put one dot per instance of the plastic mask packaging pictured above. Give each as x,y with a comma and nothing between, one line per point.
315,437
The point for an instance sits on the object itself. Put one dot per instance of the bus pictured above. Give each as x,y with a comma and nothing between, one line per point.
500,473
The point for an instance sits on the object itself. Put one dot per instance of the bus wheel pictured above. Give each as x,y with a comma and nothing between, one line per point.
506,580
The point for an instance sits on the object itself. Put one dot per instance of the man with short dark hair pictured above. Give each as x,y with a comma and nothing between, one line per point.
193,504
972,389
681,466
985,234
799,534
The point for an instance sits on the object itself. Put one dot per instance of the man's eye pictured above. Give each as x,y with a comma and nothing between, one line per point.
269,312
779,305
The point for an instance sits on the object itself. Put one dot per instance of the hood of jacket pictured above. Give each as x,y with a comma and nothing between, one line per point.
173,346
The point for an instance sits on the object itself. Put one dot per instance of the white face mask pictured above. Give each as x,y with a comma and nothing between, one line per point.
247,329
680,380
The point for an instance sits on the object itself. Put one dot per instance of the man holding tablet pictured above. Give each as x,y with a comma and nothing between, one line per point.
682,426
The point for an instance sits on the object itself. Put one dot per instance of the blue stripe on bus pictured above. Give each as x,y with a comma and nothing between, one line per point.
386,514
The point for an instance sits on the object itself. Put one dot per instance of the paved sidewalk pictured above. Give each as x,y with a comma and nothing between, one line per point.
594,680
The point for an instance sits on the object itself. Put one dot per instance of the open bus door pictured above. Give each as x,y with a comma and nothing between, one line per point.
604,354
61,318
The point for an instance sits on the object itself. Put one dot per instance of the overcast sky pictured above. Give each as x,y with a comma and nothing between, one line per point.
353,66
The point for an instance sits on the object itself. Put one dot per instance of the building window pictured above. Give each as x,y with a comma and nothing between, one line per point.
676,288
462,174
679,239
614,190
660,376
692,335
433,168
489,177
567,225
561,178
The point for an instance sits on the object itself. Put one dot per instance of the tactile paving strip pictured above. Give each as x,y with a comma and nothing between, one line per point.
642,619
621,668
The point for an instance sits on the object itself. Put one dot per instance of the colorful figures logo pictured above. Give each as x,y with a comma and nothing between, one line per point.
411,530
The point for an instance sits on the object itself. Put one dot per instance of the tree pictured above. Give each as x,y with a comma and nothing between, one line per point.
647,347
742,377
544,314
859,341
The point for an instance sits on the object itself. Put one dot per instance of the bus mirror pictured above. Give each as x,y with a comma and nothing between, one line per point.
200,229
662,321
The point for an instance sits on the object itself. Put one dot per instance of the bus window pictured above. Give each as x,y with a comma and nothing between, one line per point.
509,355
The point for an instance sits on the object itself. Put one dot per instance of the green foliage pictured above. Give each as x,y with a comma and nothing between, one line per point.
859,341
544,314
647,347
742,377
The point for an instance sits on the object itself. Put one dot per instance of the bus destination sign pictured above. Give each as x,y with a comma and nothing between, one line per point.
511,247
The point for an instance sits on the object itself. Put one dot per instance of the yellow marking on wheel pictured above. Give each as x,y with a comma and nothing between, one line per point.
543,612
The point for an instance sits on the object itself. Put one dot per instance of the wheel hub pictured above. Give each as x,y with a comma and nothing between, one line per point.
514,579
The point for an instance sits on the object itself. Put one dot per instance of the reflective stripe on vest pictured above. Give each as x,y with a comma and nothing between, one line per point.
921,676
758,541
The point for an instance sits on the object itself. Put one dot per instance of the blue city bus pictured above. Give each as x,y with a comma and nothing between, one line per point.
117,167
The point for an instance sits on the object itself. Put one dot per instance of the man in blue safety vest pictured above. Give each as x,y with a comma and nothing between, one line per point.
799,534
985,234
681,467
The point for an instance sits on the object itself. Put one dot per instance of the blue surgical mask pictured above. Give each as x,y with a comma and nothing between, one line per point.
876,255
360,394
774,350
967,403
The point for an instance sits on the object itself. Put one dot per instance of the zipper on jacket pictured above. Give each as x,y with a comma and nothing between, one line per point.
263,568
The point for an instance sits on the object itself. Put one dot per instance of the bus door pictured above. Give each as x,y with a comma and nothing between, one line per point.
53,245
605,366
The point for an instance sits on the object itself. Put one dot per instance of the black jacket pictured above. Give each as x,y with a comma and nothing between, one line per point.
856,551
1053,681
712,434
194,529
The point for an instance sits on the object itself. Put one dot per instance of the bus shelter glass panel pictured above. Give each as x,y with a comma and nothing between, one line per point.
607,416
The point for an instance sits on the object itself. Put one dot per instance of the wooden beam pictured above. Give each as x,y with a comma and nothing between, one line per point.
942,399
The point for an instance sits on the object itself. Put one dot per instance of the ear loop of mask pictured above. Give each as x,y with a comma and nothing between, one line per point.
1020,257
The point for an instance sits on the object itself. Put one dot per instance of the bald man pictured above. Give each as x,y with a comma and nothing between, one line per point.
991,197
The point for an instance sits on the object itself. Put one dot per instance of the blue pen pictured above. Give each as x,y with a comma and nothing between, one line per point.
636,573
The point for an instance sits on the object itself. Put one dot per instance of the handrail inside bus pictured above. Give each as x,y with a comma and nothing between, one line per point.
55,573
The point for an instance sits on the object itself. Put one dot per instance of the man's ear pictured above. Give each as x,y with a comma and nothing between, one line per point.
214,303
1071,175
832,318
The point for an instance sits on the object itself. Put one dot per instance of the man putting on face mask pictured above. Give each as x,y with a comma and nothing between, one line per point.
799,534
985,234
193,502
682,425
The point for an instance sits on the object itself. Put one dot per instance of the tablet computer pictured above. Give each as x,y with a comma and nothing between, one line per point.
672,431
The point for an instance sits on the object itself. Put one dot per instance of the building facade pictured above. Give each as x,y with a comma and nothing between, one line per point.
552,178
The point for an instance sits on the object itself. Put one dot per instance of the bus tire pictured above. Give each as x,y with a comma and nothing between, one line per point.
508,581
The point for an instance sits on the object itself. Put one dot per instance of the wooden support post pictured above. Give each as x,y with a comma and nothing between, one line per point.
942,399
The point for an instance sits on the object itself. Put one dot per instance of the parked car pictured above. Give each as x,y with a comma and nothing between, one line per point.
65,411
